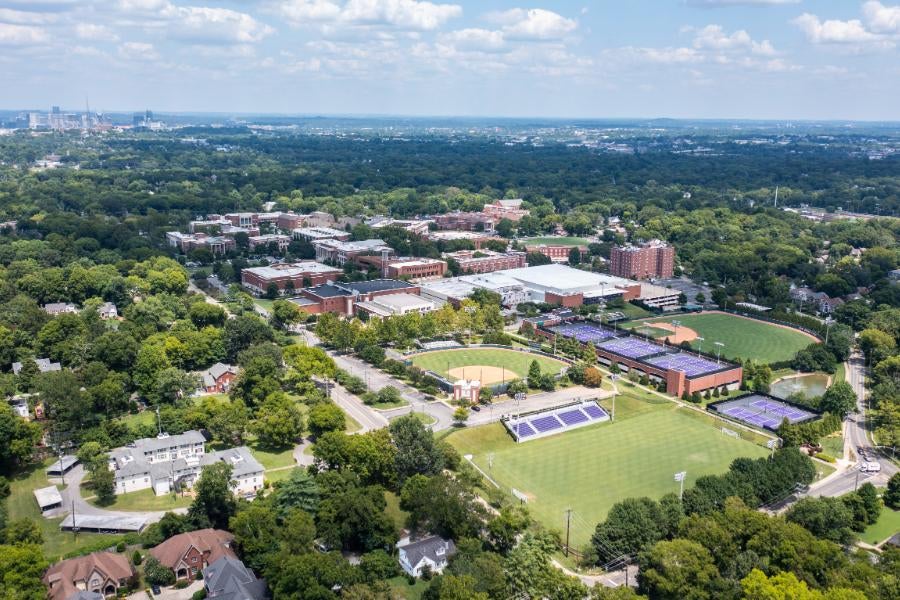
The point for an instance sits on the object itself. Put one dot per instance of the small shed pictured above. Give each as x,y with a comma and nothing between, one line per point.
48,498
62,466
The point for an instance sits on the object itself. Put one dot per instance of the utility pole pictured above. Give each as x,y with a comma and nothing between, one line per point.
568,524
680,477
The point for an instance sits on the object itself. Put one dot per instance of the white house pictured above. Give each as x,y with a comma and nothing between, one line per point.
433,552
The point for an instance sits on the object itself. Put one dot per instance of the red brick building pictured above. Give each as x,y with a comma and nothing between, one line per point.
558,253
651,259
188,553
415,268
506,209
466,221
486,261
340,298
288,277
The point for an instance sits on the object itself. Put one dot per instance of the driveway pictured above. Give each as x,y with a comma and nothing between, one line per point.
169,593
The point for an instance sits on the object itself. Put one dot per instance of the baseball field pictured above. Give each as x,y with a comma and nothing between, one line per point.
740,337
488,365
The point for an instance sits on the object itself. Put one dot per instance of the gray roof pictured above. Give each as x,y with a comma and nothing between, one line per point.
168,441
58,306
48,496
68,461
427,548
229,579
44,365
105,523
240,458
376,285
211,374
85,595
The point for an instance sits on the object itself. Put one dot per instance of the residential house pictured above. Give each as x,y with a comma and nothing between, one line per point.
188,553
430,553
218,378
44,365
229,579
108,311
98,573
59,308
168,462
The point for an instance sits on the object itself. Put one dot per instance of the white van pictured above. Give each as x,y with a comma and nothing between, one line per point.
870,467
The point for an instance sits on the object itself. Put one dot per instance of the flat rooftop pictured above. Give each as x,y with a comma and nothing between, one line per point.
451,288
400,301
328,290
292,269
415,262
492,281
48,496
111,522
319,231
377,285
562,277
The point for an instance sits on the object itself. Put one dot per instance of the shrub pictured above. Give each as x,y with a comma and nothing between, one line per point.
181,584
120,547
156,573
199,594
136,558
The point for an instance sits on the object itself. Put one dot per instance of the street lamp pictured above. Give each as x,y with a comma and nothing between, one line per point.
828,323
719,346
675,325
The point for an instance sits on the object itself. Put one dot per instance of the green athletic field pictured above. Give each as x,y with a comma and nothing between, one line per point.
590,469
515,363
556,241
743,338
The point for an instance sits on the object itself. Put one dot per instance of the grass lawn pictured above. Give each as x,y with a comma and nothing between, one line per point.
424,418
887,525
393,510
273,458
21,504
146,500
743,338
556,241
654,332
406,591
590,469
631,311
264,303
516,363
279,475
833,445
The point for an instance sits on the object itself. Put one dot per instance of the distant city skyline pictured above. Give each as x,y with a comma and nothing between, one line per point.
716,59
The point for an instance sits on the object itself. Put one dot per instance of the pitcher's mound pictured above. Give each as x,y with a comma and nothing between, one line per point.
681,333
486,375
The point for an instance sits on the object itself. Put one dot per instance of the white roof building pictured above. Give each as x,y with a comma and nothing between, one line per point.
396,304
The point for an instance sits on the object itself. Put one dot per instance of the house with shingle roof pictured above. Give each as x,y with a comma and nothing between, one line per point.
229,579
218,378
188,553
432,553
89,577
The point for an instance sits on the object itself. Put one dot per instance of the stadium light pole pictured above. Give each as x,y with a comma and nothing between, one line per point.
828,323
680,477
699,345
719,346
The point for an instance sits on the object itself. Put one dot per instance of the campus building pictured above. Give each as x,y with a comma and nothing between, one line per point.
341,298
415,268
185,242
506,209
263,241
340,252
651,259
558,253
287,277
486,261
457,289
315,234
394,305
478,239
466,221
415,226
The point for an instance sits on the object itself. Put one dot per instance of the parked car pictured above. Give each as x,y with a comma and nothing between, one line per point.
476,408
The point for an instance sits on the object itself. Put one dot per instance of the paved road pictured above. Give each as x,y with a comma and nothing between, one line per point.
72,494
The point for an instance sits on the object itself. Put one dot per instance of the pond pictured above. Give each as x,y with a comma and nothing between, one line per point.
810,384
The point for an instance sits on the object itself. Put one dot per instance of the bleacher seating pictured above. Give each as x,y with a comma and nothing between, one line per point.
555,420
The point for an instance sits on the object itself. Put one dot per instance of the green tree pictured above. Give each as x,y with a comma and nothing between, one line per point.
103,482
827,518
416,450
285,313
18,438
21,568
23,531
297,532
214,502
460,416
892,493
355,519
534,373
157,574
202,314
453,587
676,570
325,417
839,399
530,573
254,528
242,332
229,423
279,422
298,491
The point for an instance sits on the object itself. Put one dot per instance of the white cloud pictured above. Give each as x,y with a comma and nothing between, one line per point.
213,25
834,31
21,35
881,18
666,56
138,51
22,17
713,37
92,31
415,15
483,40
718,3
533,24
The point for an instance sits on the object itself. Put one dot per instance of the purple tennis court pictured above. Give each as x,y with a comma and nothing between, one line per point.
630,347
691,365
582,332
762,410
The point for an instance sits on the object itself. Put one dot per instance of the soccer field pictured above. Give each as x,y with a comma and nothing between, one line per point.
590,469
516,363
743,338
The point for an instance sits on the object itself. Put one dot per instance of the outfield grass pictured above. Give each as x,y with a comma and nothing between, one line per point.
590,469
145,500
743,338
515,362
887,525
556,241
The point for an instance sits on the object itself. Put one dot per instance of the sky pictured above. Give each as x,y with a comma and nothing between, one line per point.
756,59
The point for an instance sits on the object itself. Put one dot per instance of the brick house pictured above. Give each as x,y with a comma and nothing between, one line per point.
218,378
102,573
188,553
